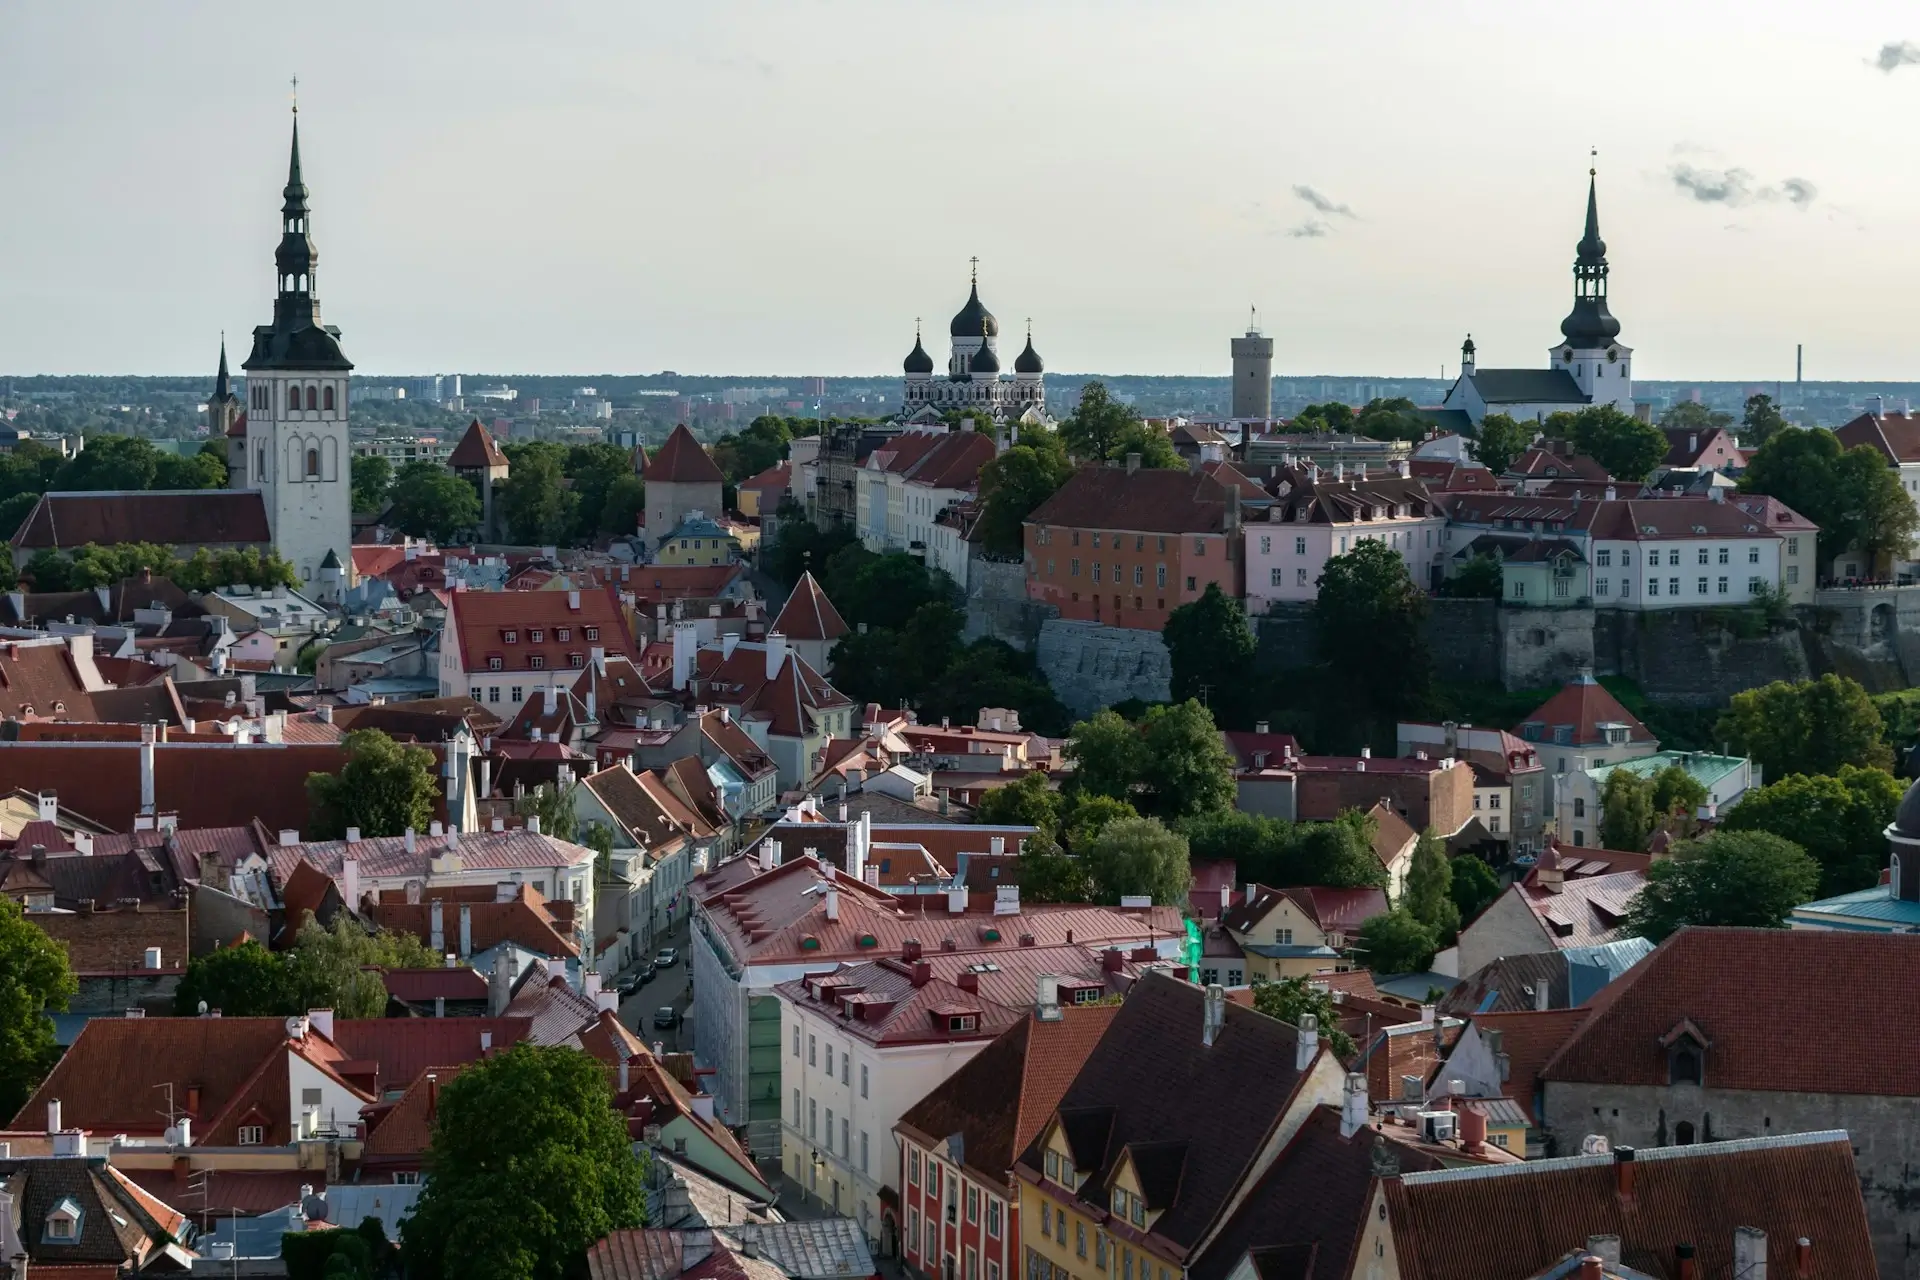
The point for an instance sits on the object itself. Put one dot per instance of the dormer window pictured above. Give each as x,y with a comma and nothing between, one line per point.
962,1022
563,634
495,664
511,637
593,633
63,1221
1686,1047
537,663
536,636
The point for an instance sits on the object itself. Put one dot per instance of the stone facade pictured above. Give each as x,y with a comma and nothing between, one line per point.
997,604
1091,666
1885,1133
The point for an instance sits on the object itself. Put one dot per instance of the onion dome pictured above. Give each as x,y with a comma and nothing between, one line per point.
1028,361
974,319
1906,819
984,361
918,361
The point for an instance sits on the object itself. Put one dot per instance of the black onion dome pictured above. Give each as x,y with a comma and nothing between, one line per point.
974,319
984,361
918,361
1906,819
1028,361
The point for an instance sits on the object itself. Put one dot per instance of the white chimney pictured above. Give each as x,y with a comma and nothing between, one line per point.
70,1142
1213,1014
549,700
435,829
626,1073
1353,1111
957,901
185,1127
49,806
350,874
776,653
436,928
859,841
466,929
573,599
686,639
832,897
607,1001
703,1105
1307,1042
53,1116
321,1020
409,839
533,824
1426,1015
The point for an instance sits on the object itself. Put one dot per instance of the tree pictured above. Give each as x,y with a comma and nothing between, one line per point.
201,470
1155,449
622,505
1391,419
1690,415
1083,817
986,673
384,789
1811,726
1397,943
1185,766
1049,874
802,545
749,452
1628,448
1480,578
1838,819
530,1166
1369,615
1853,495
884,590
1012,485
1675,792
1097,428
1761,421
1338,853
1139,856
1028,802
1108,756
245,981
372,477
593,470
1429,891
554,807
110,462
1290,999
1329,417
1501,440
1211,647
535,502
35,981
1751,879
1475,886
339,967
431,502
1626,810
333,1253
15,509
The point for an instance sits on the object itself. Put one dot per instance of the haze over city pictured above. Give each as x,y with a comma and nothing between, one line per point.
735,187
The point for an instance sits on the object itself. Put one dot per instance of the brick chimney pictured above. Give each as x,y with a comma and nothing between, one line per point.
1623,1170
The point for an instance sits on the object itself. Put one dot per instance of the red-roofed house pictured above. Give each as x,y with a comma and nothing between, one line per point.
1585,727
1510,783
501,645
1291,933
908,480
1565,901
761,495
1895,437
681,479
1691,448
810,623
781,700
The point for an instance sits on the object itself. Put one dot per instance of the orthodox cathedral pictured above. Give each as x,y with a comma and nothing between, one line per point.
1588,366
973,379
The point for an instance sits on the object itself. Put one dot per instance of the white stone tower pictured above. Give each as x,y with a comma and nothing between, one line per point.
1253,373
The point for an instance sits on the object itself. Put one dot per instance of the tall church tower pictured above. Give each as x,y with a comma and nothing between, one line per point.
297,406
1590,350
223,407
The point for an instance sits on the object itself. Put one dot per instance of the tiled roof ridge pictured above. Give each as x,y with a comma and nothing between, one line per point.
1766,1142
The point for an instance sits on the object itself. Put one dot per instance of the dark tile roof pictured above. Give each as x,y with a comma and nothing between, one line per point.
169,517
1147,501
681,460
1791,1186
1528,386
1896,436
1152,1079
1503,985
121,1225
1530,1039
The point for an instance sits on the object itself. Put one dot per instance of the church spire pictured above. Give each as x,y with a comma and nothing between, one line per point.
296,258
222,384
1590,325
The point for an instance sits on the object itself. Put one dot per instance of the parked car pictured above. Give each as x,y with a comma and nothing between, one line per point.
665,1017
640,978
667,958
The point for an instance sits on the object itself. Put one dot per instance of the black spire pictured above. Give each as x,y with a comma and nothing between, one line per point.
296,338
1590,324
222,384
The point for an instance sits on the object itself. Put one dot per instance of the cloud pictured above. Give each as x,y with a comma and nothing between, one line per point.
1312,229
1893,56
1735,187
1323,203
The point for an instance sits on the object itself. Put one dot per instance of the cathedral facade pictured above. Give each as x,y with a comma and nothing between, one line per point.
973,379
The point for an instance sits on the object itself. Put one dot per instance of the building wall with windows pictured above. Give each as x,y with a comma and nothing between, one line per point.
1689,573
954,1225
1285,559
1126,579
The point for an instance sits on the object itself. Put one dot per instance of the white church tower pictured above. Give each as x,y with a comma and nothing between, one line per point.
1590,350
297,378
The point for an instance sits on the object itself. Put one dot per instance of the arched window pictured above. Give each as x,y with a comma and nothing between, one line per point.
313,464
327,398
313,397
1683,1134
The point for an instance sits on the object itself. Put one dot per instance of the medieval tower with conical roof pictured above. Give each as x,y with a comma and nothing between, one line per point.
296,420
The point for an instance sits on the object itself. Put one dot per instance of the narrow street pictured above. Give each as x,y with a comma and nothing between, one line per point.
669,987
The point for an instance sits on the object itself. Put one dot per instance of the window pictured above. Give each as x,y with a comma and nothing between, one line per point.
1600,586
495,664
1266,549
1199,546
1753,586
327,396
993,1216
536,636
829,1061
1673,586
1723,555
1139,1207
1700,587
593,633
1053,1166
313,464
1276,577
1046,1218
1604,559
1160,575
1299,577
1080,1239
1793,574
1190,585
863,1079
1753,555
1493,800
1139,575
252,1135
1283,937
863,1151
846,1138
493,694
1161,545
1653,586
796,1108
1793,546
563,634
1073,567
1519,590
813,1118
1100,1252
1120,1202
846,1067
519,695
973,1204
1076,537
60,1224
993,1268
1673,556
1579,807
1703,554
813,1051
913,1167
1722,585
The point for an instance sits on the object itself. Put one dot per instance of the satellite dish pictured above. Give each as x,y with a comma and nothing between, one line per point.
203,1008
1595,1144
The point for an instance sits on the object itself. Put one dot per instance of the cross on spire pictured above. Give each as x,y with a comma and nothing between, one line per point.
296,95
975,260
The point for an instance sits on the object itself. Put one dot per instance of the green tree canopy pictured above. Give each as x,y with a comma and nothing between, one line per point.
1475,886
1429,890
530,1166
1690,415
1139,856
1328,417
1752,879
1837,818
1853,495
1809,726
1049,874
338,968
1108,756
372,477
1626,811
1099,426
1761,422
593,470
383,789
622,505
1397,418
1500,441
1028,802
35,981
247,981
1291,998
1480,578
1369,615
538,507
1013,485
802,545
554,806
1210,646
761,445
1628,448
1338,853
431,502
1676,792
1186,768
1397,943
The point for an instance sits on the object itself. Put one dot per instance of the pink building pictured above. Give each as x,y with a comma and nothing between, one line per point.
1318,514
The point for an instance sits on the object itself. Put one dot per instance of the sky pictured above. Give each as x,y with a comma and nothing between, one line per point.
783,186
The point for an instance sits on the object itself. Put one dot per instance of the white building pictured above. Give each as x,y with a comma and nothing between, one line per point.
1319,514
504,645
1577,793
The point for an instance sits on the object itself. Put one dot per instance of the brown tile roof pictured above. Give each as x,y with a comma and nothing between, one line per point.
778,478
102,780
1582,912
953,462
1539,463
1405,1049
1506,981
1353,500
787,700
654,583
808,614
40,678
401,1133
1391,834
1582,705
1152,1080
476,449
1896,436
1003,1096
1530,1038
638,807
1687,446
1452,477
1340,911
1146,501
515,849
419,986
169,517
681,460
525,921
425,720
1792,1186
481,621
639,1253
405,1047
1712,977
1773,513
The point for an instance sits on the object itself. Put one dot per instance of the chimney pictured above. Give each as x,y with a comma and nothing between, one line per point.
1542,996
957,901
1473,1139
1250,892
321,1020
922,972
549,700
626,1073
433,1096
1046,999
1877,406
607,1000
466,930
48,806
1623,1170
1426,1015
1353,1110
1605,1248
1750,1253
152,958
53,1116
1683,1263
1213,1013
686,639
573,599
533,824
702,1105
436,929
1133,463
832,896
409,840
1611,493
350,873
776,653
1307,1042
1803,1259
147,737
1592,1268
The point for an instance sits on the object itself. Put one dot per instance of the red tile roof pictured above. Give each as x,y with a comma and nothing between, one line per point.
1340,911
1690,447
777,478
416,986
482,620
653,583
681,460
184,518
1792,1186
1711,976
1583,704
788,701
40,678
524,921
1542,464
1003,1096
953,462
402,1132
405,1047
808,614
1582,911
1146,501
1896,436
260,781
1530,1038
1452,477
476,449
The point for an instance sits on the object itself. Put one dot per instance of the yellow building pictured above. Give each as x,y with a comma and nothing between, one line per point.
698,540
1292,933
